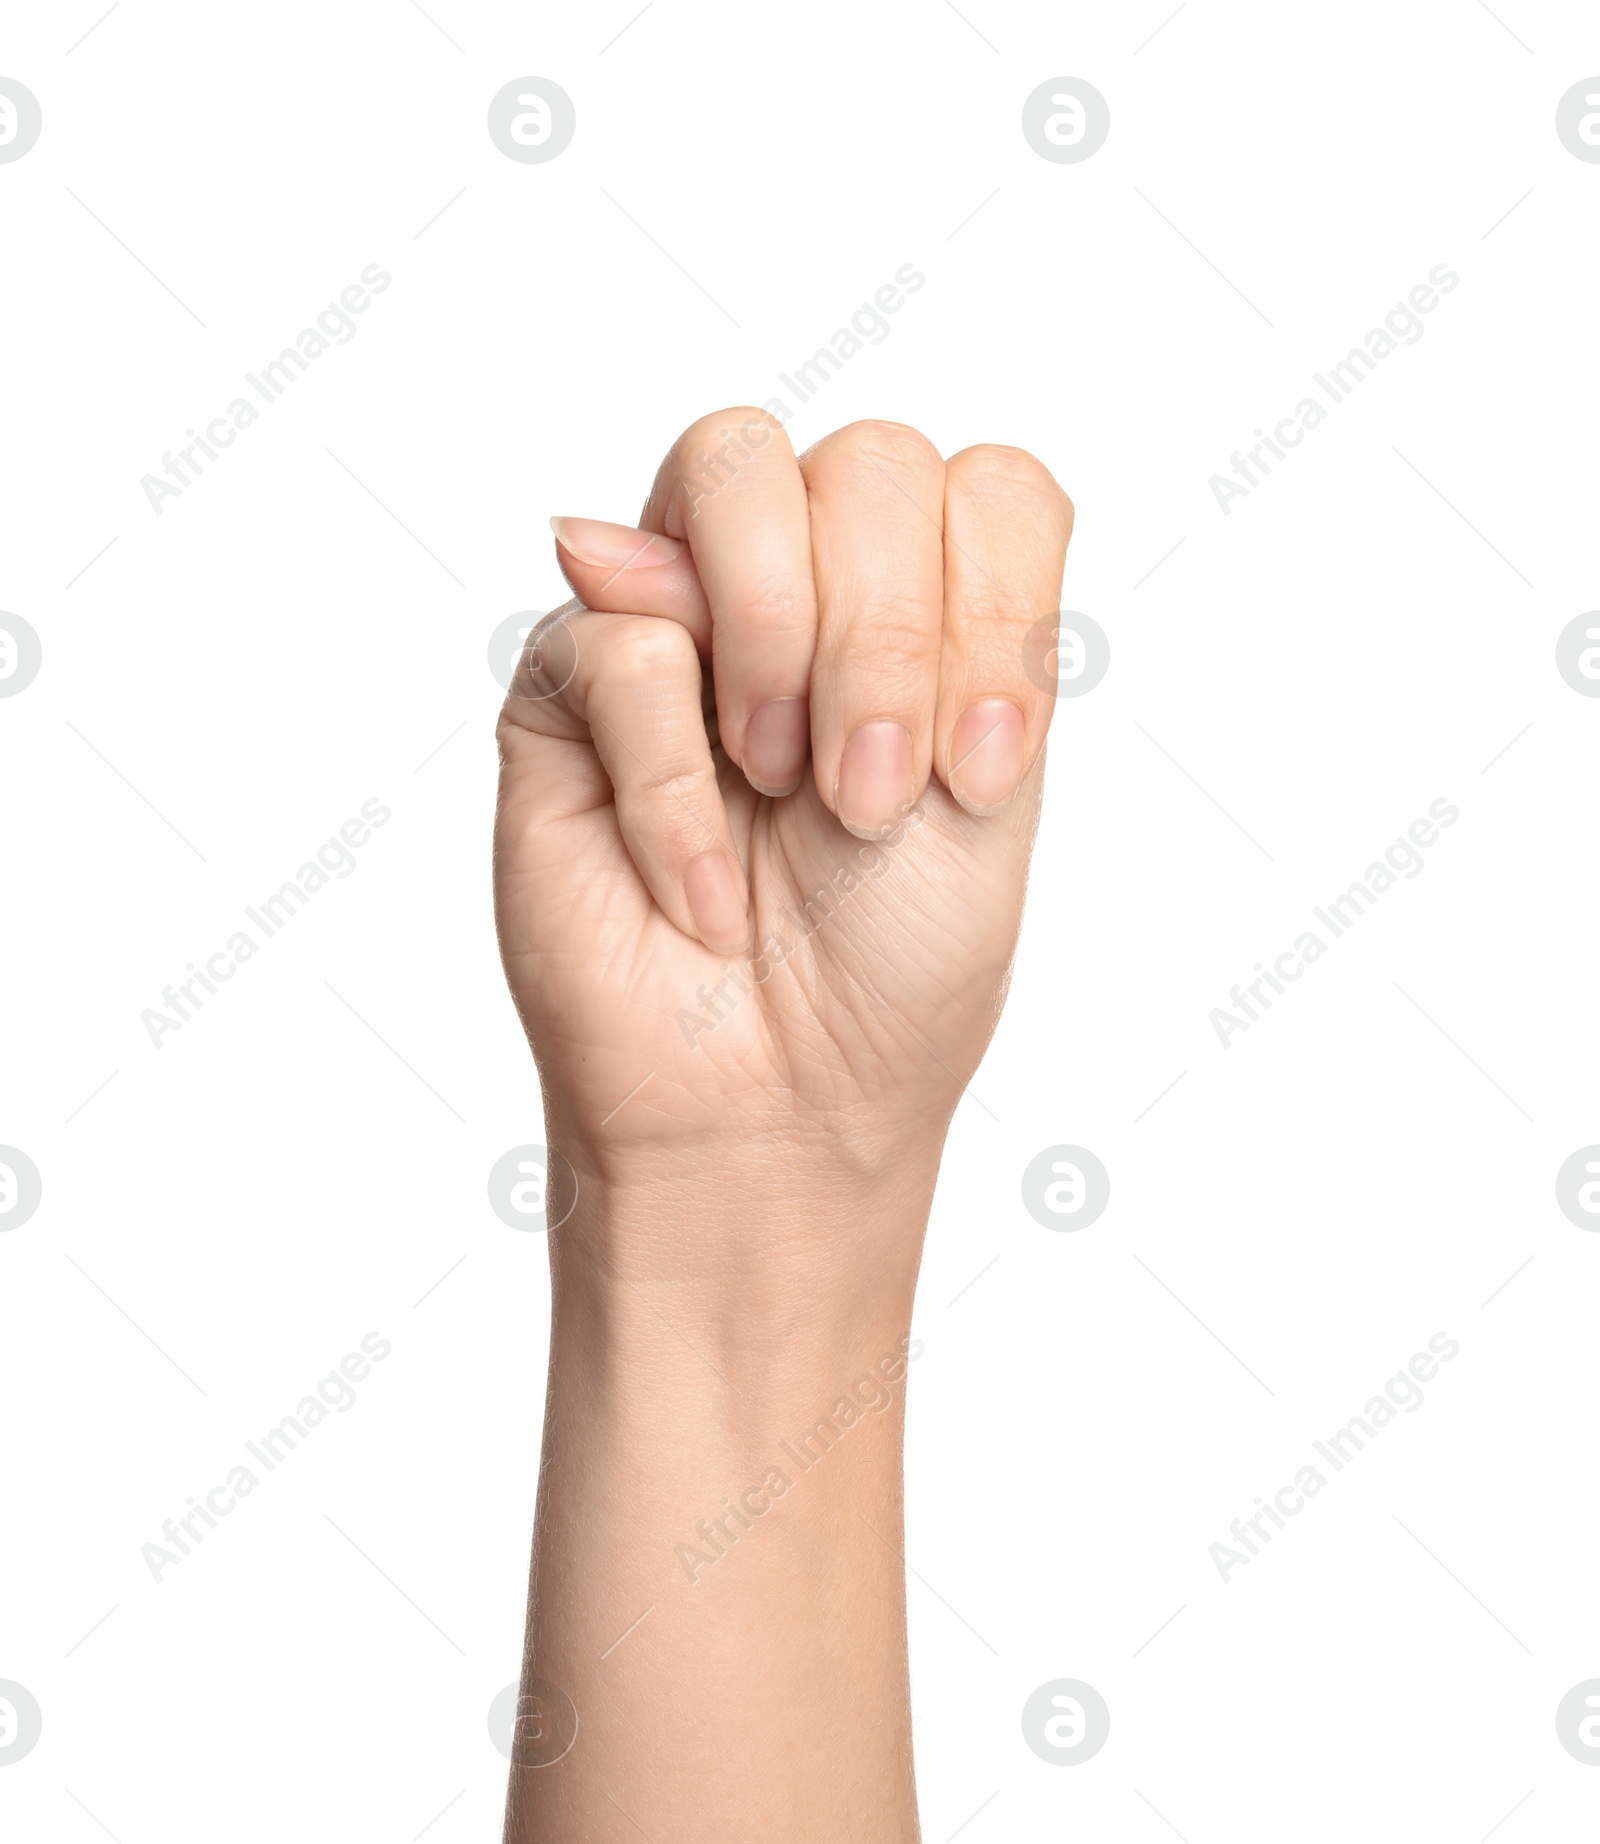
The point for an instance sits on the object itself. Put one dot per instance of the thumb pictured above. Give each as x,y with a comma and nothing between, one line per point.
620,570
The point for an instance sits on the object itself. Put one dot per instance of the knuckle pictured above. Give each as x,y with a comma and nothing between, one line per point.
896,446
650,651
777,606
688,787
895,626
991,470
731,451
741,428
680,807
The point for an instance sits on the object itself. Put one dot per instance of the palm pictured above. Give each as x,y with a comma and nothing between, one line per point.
874,977
866,619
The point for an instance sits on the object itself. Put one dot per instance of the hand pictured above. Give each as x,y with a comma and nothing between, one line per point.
773,904
757,921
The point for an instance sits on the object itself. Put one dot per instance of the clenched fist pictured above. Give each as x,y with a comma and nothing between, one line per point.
769,792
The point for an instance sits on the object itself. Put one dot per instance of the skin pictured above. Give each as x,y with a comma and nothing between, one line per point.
760,854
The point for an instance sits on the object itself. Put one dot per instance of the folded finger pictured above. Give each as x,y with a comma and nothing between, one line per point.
631,686
877,501
732,490
1006,529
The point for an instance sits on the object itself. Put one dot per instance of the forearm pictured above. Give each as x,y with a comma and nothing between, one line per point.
718,1580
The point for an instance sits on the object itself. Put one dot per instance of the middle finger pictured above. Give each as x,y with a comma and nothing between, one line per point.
877,501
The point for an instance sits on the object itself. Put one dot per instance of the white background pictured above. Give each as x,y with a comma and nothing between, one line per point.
1288,1224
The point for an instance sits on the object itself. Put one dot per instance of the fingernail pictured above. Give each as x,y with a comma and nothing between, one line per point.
716,904
986,755
614,547
874,784
775,742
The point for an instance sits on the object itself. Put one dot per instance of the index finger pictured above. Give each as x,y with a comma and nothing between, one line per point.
732,488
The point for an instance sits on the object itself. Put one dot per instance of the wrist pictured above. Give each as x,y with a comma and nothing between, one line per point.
662,1133
740,1274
